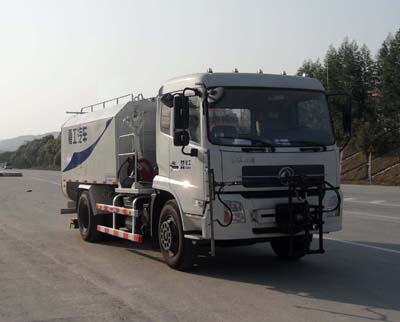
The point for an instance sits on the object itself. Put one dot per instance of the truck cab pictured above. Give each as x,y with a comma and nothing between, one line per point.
228,154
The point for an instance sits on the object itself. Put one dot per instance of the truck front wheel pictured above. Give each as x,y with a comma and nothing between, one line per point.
281,247
86,220
177,251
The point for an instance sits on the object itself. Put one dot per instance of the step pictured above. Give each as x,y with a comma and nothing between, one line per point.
73,222
193,236
117,210
64,211
137,238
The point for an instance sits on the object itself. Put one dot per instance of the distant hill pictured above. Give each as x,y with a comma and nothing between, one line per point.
14,143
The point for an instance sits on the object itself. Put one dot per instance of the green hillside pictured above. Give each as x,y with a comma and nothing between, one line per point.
43,153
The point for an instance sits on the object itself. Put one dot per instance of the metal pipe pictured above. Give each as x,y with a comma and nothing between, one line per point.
138,198
210,194
114,202
291,190
136,160
126,154
320,217
134,207
110,100
126,135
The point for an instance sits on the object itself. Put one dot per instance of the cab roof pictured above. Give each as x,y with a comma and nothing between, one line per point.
241,80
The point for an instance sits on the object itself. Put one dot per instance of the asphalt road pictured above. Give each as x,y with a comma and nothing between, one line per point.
47,273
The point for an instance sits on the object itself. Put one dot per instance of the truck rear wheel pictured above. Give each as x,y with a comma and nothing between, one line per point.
87,222
281,247
177,251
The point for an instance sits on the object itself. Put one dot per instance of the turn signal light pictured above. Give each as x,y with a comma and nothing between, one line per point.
227,217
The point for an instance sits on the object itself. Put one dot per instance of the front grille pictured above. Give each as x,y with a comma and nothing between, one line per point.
268,194
269,176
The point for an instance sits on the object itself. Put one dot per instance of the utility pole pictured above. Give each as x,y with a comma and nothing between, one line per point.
370,165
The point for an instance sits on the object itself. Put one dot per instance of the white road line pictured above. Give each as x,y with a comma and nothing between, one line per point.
373,202
44,180
365,245
359,213
376,201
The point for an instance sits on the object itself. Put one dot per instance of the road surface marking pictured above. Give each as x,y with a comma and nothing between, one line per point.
373,202
364,245
359,213
44,180
376,201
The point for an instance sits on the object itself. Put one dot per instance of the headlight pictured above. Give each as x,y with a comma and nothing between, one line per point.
238,214
331,204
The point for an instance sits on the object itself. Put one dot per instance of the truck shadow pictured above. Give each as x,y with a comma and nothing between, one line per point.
144,249
345,274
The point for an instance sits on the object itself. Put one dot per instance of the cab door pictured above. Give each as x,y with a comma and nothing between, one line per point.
186,172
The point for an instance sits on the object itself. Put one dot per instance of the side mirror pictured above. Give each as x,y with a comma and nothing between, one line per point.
181,138
341,112
181,112
347,118
167,100
215,95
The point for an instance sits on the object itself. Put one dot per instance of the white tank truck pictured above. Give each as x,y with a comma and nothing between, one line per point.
215,159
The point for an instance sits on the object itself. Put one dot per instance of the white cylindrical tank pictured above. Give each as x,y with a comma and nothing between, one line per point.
91,142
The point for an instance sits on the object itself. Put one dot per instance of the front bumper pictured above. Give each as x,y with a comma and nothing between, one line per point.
260,218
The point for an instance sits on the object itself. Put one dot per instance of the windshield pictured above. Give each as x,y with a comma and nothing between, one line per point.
254,117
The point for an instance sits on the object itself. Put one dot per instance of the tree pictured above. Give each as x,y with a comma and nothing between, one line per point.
42,153
351,69
388,85
313,69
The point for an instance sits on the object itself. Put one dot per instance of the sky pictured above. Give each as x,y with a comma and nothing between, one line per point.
56,56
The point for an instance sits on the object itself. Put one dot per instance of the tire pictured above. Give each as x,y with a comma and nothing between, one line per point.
87,222
177,251
281,247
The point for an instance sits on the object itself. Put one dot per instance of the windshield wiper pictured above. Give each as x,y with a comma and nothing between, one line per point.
310,143
267,144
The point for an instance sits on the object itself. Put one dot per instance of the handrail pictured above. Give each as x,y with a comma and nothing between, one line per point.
133,98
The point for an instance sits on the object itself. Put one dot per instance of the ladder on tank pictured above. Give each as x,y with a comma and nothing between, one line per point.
138,190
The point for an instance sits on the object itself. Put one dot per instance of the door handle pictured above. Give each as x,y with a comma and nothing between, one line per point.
174,166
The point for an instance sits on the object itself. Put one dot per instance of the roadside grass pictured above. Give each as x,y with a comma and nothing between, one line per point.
353,163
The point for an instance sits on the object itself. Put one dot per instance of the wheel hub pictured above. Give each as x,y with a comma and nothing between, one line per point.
166,235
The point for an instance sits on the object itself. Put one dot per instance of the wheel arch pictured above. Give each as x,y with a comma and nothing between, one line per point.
97,194
80,190
158,200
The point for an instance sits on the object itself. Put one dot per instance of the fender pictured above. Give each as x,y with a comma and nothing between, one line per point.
97,194
162,184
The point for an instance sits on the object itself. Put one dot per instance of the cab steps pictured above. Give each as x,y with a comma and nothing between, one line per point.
123,232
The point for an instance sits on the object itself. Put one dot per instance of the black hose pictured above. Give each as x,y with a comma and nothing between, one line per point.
226,206
120,168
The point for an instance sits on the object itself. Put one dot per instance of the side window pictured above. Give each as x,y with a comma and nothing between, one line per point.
194,118
165,119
